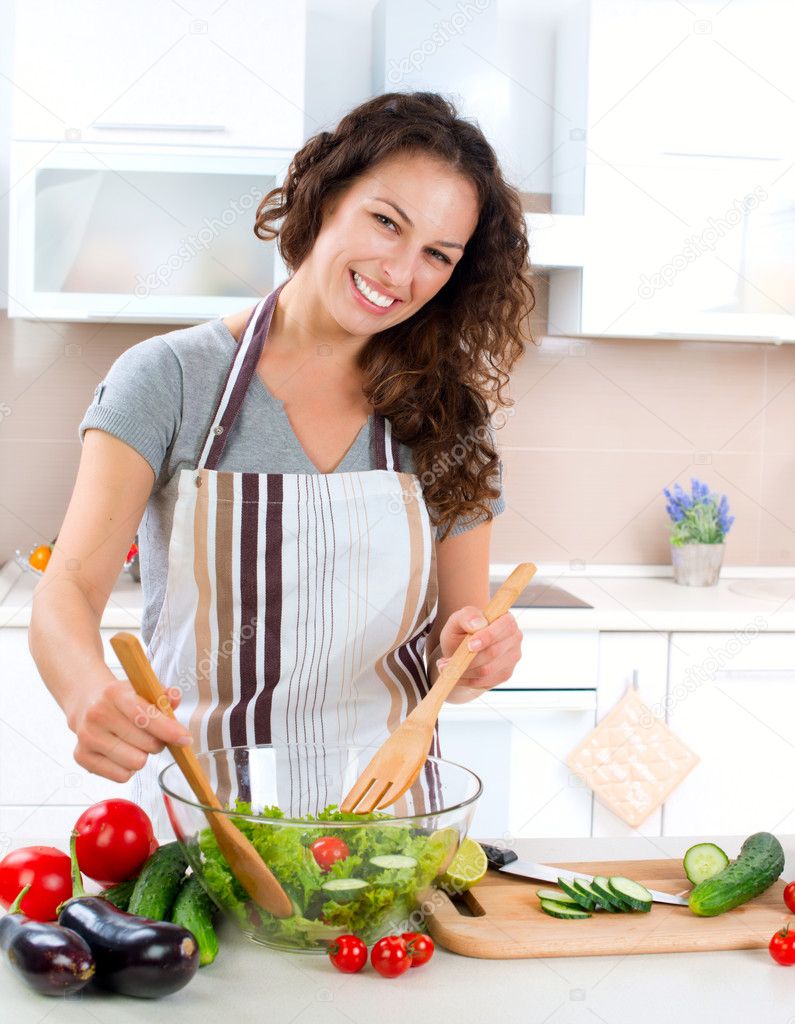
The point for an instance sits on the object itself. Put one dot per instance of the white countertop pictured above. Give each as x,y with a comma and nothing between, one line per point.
620,602
248,982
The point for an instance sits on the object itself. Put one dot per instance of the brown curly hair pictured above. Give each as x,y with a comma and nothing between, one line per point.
437,375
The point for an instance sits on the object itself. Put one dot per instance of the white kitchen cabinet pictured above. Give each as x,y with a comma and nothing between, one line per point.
620,656
37,767
555,658
731,698
517,742
667,147
148,234
148,72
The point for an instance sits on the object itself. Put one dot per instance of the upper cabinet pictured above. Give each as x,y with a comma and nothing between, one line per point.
151,72
673,197
144,137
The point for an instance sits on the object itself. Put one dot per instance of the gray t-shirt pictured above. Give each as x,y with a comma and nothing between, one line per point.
159,397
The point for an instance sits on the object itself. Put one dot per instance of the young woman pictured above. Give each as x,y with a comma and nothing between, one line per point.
317,475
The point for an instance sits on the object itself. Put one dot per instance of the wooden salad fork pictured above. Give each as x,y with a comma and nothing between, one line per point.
245,863
397,763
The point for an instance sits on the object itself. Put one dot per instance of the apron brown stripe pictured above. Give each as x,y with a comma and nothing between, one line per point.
202,624
379,442
249,618
274,496
225,512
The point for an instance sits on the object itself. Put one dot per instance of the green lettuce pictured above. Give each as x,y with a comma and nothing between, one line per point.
389,897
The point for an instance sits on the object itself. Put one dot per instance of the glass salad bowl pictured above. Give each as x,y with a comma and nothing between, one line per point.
370,875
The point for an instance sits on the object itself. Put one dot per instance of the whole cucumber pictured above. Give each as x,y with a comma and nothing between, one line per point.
759,863
194,910
120,893
158,883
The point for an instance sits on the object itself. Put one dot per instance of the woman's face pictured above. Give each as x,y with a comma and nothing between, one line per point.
391,241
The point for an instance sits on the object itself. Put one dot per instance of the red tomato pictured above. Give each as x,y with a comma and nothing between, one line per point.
390,957
46,870
789,896
419,947
114,839
782,946
348,953
328,850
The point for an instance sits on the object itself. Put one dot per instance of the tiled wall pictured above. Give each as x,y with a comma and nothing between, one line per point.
598,429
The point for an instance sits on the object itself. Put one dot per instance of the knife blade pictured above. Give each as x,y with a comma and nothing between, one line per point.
507,862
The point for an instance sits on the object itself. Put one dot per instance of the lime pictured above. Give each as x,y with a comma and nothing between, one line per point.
444,842
466,869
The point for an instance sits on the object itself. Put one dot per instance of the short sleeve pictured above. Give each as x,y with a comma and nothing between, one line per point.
497,505
140,400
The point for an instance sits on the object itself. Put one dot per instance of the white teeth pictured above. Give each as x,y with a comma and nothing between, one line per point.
375,297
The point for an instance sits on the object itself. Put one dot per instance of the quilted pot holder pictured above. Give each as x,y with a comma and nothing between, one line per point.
632,760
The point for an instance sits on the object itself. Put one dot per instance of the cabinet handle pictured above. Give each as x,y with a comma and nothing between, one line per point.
145,127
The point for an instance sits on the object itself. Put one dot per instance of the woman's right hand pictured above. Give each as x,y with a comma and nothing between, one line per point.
117,730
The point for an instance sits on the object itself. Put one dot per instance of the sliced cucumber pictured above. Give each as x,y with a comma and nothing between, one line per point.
703,861
608,899
634,894
563,910
393,862
585,887
570,888
343,889
557,897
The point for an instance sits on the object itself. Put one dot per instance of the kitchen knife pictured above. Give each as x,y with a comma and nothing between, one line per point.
507,862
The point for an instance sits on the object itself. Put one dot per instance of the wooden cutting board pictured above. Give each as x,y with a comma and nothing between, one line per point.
508,923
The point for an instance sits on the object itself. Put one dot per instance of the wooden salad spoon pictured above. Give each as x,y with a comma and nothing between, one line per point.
397,763
245,863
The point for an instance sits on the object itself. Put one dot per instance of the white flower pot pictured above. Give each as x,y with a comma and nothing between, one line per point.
697,565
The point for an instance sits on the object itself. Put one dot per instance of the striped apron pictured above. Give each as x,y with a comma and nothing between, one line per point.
296,611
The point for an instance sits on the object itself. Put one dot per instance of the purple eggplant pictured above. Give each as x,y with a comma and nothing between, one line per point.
52,959
134,955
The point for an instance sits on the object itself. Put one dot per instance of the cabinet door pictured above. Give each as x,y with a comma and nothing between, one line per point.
218,75
37,767
517,743
731,697
620,655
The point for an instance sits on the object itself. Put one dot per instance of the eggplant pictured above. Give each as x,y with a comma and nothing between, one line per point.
51,959
134,955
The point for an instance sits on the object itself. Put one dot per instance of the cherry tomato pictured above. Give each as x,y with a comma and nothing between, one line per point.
390,957
114,839
782,946
328,850
789,896
348,953
46,870
39,557
419,947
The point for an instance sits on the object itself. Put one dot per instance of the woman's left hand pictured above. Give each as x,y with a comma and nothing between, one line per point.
498,645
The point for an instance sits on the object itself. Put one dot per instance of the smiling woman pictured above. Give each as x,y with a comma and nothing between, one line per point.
317,475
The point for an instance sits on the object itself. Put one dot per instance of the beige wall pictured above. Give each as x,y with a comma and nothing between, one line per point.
598,429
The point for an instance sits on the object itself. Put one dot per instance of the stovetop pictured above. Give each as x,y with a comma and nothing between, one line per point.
539,594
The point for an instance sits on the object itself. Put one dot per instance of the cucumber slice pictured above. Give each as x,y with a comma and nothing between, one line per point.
557,897
343,889
562,910
570,888
703,861
637,896
585,887
393,862
608,899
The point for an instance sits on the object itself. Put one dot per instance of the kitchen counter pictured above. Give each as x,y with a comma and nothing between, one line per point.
619,602
248,982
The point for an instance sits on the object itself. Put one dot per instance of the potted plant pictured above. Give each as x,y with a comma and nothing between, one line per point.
701,521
